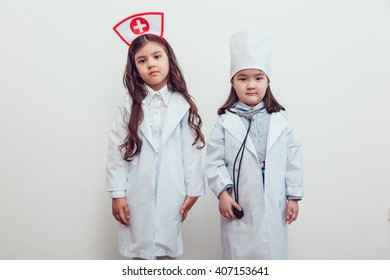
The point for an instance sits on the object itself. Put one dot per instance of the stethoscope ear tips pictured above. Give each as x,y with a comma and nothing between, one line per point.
238,213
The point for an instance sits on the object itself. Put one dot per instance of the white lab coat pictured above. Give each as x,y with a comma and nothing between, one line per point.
155,184
262,232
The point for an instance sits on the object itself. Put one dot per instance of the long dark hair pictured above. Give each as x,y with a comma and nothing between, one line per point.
270,103
135,88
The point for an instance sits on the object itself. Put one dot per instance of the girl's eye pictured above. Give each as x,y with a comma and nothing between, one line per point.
141,61
241,79
157,56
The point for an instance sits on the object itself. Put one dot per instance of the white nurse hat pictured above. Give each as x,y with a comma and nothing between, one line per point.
250,49
140,24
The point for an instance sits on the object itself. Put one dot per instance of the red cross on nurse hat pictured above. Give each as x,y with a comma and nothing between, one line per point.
140,24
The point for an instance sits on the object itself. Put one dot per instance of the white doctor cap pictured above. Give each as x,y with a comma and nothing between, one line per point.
250,49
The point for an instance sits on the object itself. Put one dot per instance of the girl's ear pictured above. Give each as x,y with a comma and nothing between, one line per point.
231,82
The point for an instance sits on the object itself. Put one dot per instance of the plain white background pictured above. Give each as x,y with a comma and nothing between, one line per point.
61,69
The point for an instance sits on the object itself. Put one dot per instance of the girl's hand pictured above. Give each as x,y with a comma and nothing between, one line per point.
226,202
292,211
120,210
187,205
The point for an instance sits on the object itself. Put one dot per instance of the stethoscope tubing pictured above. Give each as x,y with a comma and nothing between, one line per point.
249,116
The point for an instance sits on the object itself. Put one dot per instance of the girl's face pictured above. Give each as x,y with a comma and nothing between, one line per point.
153,65
250,85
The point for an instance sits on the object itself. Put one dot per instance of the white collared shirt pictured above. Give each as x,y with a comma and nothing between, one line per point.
156,108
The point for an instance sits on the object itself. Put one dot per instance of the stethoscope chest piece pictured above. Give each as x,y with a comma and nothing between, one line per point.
238,213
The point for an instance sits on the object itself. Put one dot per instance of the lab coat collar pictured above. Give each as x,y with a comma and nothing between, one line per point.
277,125
233,124
177,109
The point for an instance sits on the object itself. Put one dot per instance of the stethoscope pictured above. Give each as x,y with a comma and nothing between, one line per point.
240,154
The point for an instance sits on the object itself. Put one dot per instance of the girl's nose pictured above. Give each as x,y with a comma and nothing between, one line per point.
150,64
250,85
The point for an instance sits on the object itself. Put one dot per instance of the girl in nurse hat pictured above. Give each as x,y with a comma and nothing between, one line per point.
154,165
253,157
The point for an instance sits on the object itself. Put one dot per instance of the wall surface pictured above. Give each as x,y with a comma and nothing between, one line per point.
60,80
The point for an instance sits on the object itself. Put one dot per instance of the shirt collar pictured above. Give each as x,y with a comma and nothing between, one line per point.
243,107
164,92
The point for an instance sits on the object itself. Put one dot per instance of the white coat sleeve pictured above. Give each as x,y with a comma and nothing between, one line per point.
116,166
294,168
192,161
216,171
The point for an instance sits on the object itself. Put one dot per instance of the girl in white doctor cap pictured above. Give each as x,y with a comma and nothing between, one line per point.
253,158
154,165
